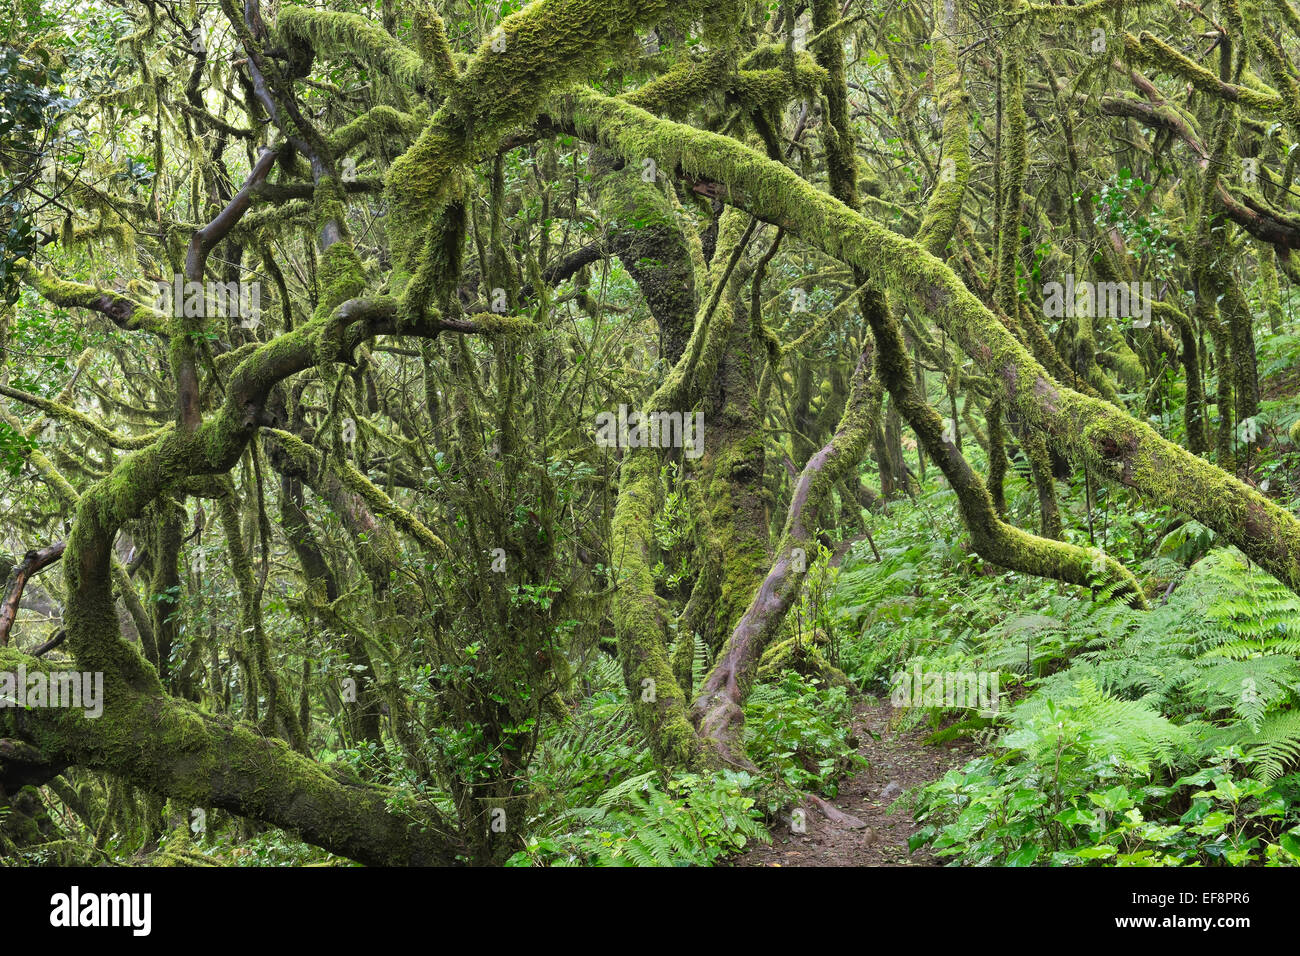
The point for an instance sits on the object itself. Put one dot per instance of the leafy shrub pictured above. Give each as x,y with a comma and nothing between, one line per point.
690,820
1087,810
799,731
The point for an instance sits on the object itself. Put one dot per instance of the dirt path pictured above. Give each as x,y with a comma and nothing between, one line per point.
898,762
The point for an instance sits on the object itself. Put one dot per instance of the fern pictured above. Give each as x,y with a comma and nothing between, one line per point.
627,790
701,661
1099,723
1273,747
1248,688
694,821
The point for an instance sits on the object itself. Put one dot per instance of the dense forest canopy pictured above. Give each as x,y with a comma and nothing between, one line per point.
442,432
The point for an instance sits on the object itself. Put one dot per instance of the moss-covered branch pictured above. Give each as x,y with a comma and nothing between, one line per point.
166,746
1117,445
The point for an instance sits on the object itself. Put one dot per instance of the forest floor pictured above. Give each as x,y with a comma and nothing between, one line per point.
897,762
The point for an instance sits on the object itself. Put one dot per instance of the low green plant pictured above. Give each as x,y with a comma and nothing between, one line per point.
799,730
689,820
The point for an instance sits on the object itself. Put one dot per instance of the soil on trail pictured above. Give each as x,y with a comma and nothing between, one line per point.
897,762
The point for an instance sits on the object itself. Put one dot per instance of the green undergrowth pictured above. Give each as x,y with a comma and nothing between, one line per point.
1165,737
798,728
601,801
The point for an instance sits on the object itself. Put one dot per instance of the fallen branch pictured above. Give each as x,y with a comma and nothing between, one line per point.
33,562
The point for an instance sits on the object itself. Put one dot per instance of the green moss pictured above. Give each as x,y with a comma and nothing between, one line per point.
1069,418
943,209
312,462
657,700
378,125
637,622
532,54
354,37
1154,50
646,233
66,413
769,78
431,39
1015,162
804,655
1079,13
125,311
837,132
169,747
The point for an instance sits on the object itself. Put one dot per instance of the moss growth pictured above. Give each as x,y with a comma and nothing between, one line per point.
943,209
377,127
533,53
66,413
352,36
431,39
1069,418
647,236
803,655
1154,50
